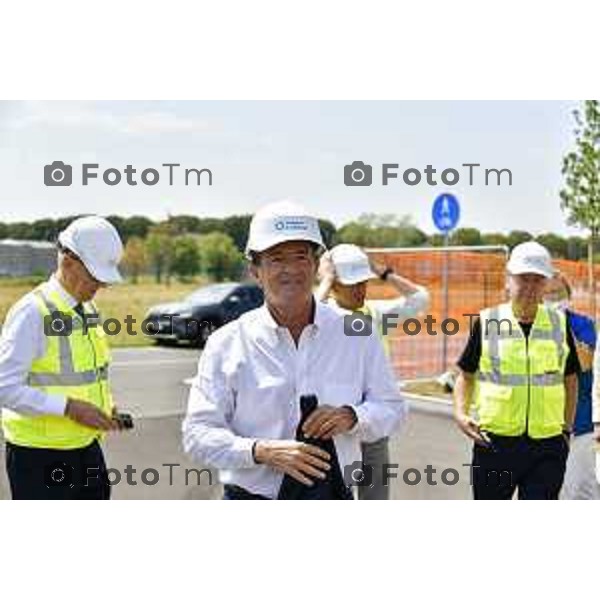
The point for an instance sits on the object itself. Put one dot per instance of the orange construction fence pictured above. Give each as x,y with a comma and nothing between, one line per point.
476,279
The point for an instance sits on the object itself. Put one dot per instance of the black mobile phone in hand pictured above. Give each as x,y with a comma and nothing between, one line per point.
487,442
125,420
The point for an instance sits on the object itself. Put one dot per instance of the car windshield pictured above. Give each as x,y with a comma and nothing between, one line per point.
210,294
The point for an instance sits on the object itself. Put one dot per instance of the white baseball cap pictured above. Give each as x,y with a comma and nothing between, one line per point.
530,257
97,243
351,264
278,222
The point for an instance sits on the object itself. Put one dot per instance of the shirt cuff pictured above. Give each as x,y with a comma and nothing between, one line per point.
242,447
54,404
359,411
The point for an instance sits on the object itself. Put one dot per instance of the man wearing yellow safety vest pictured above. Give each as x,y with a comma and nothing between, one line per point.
519,370
344,273
54,362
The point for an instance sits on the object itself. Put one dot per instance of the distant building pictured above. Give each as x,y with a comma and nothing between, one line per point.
22,258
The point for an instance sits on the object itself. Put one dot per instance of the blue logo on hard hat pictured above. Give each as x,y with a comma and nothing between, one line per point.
291,225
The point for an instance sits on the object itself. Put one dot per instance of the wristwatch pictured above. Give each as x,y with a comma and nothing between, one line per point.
388,271
353,412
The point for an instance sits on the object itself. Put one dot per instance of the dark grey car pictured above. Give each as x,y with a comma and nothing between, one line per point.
194,318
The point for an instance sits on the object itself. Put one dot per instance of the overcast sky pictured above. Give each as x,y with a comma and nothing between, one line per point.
262,151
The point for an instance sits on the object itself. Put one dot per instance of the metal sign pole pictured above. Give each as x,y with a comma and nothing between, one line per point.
446,300
445,213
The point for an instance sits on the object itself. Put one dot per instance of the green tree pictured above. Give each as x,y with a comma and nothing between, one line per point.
514,238
436,240
580,196
465,236
409,236
136,226
381,231
44,230
236,227
219,256
160,246
182,224
185,262
354,233
20,231
494,239
64,222
128,227
135,258
557,245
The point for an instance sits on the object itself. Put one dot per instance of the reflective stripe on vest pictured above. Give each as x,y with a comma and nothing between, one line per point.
67,379
493,335
67,376
74,365
520,384
512,380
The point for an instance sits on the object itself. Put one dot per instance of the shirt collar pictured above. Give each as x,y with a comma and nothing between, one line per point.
269,322
55,286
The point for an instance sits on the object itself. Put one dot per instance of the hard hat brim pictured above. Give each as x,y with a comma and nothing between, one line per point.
356,278
275,241
105,274
526,270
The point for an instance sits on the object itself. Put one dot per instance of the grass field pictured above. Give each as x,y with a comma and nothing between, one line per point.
116,302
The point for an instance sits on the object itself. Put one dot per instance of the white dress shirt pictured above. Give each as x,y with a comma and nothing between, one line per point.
250,379
23,341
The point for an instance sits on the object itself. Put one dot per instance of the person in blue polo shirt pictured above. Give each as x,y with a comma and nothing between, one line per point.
580,478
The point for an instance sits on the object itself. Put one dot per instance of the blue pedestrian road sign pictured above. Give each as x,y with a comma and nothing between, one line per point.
445,212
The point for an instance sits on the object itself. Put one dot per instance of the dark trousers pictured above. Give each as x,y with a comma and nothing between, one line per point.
535,468
45,474
235,492
375,455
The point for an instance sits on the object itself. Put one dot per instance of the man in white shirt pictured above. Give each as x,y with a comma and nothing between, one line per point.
244,404
344,273
54,376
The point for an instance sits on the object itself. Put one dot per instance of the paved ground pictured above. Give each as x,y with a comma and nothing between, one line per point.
150,384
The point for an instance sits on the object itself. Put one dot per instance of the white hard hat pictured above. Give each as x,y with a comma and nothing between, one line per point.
97,243
351,264
279,222
530,257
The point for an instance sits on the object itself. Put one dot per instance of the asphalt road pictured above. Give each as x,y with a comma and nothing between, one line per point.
150,383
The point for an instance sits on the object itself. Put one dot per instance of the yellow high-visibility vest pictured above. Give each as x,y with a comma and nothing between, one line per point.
520,383
75,366
385,339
